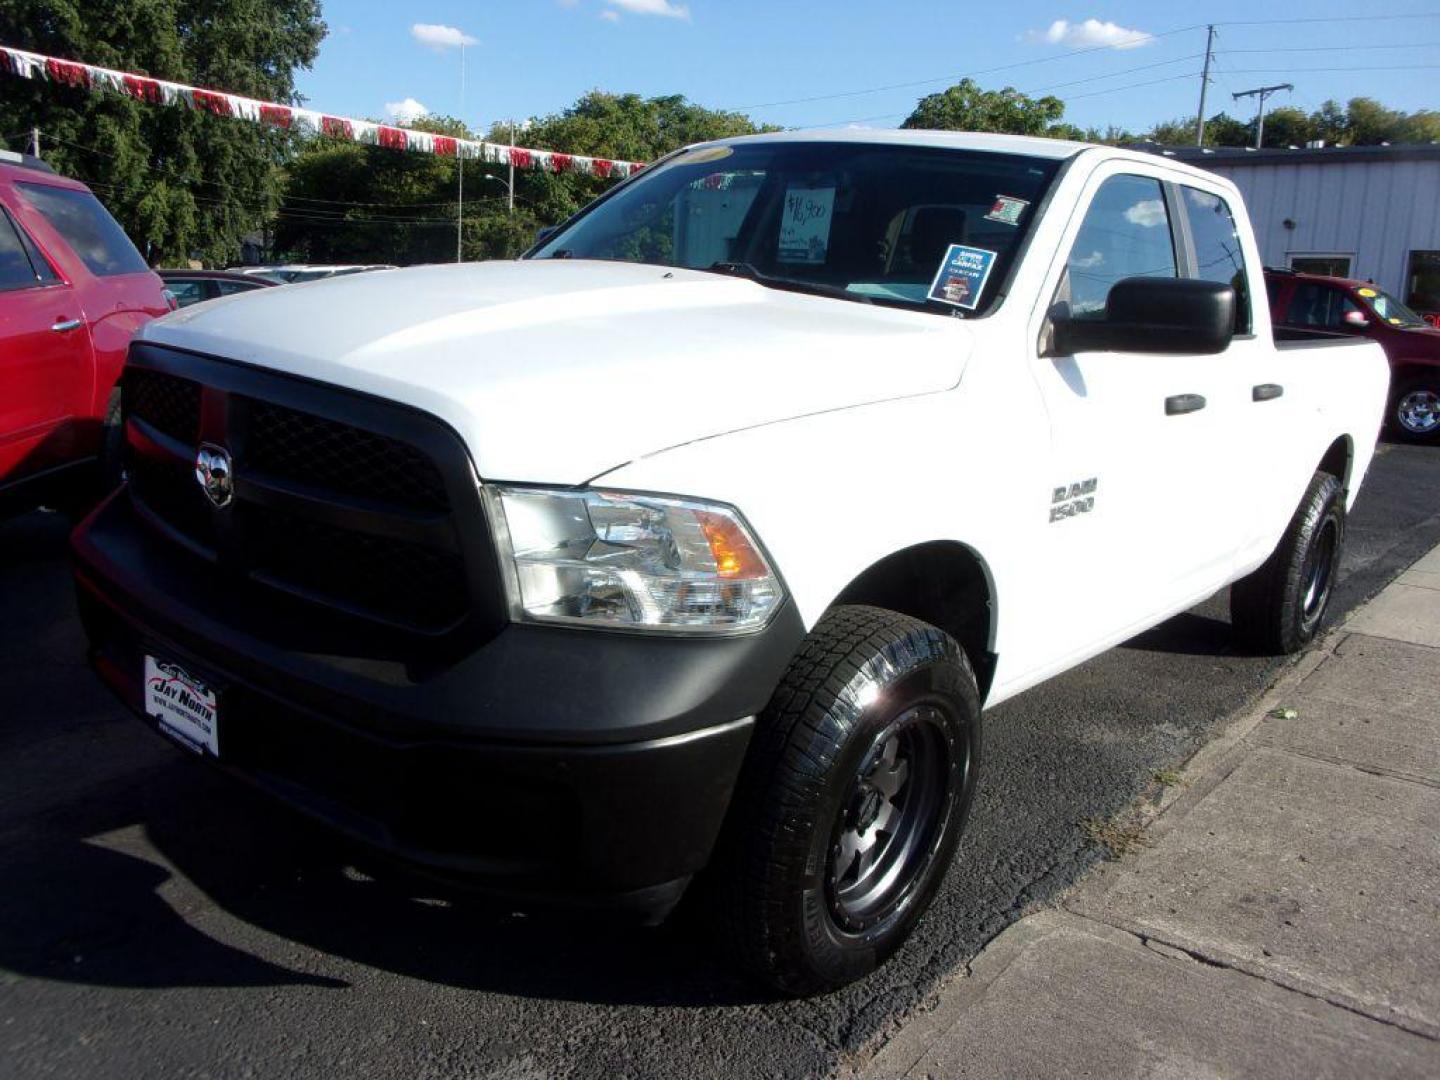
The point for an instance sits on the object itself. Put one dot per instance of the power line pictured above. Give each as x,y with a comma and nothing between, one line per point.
1074,53
953,77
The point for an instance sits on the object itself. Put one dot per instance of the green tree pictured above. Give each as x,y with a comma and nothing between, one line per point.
967,106
1420,127
623,127
1368,123
182,183
1288,126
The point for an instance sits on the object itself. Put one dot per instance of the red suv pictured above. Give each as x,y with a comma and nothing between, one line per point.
73,291
1310,301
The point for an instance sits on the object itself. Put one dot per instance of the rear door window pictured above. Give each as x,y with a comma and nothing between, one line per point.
1217,249
87,227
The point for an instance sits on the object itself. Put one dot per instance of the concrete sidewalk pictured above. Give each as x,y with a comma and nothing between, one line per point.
1282,917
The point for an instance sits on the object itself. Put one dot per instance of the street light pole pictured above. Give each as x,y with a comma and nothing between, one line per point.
460,173
511,184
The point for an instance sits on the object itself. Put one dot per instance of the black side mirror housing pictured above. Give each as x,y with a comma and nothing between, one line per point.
544,233
1153,315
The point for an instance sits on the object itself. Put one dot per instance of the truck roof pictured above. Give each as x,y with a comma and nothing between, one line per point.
984,141
1032,145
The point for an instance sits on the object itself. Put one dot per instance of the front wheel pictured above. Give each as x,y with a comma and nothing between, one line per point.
1415,411
852,800
1277,609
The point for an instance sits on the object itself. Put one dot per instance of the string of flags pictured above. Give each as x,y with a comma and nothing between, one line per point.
29,65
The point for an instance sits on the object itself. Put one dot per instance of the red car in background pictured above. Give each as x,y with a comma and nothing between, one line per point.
73,291
1343,305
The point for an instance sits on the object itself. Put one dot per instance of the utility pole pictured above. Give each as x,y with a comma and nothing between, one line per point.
35,140
460,173
1262,92
511,157
1204,85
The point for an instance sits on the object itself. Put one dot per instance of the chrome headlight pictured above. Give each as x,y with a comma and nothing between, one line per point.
644,562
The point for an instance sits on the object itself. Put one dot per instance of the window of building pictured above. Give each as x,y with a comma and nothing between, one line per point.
1324,265
1422,283
1126,233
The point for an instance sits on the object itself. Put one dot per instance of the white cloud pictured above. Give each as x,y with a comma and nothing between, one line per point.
1147,213
407,111
651,7
1091,33
439,37
610,16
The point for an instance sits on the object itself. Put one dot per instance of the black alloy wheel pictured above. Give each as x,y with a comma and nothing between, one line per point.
853,798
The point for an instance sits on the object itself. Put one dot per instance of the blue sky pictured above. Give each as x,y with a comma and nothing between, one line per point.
532,57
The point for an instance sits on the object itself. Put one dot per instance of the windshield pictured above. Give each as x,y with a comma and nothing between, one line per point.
912,227
1392,311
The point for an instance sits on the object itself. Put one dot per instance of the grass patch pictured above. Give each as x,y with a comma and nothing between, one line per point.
1167,777
1117,839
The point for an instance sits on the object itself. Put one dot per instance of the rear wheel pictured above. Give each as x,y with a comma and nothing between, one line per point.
1278,608
852,800
1415,411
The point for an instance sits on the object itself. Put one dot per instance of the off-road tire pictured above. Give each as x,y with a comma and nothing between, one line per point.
861,675
1277,609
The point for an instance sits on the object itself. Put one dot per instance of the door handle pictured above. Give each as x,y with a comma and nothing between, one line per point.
1268,391
1183,403
67,324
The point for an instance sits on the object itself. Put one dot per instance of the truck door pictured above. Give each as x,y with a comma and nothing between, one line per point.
44,358
1140,455
1262,392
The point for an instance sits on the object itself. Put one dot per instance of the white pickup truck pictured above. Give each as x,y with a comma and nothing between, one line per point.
697,538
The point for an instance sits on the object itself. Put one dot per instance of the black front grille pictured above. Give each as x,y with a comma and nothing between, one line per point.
353,514
411,582
167,403
329,454
168,489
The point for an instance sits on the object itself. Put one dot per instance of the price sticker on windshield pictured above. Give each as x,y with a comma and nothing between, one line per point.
805,226
962,276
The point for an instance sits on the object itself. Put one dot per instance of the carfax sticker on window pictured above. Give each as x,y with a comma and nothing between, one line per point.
962,276
1007,210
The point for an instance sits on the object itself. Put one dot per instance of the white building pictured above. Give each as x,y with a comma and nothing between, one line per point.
1369,212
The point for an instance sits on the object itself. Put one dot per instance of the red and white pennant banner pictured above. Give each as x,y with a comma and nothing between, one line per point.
29,65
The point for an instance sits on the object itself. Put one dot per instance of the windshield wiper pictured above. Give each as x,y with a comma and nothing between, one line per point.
746,270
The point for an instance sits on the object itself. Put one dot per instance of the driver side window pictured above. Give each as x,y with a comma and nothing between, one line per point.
1126,233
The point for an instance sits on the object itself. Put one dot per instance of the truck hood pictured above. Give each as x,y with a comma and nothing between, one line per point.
560,370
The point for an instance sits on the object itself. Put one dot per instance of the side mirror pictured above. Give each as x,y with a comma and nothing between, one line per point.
1153,315
544,233
1356,319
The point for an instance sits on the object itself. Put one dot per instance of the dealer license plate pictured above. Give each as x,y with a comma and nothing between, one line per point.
183,705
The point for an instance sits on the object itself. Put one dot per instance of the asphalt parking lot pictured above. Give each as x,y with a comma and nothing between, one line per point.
157,920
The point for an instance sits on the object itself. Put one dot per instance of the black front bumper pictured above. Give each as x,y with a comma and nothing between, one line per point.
550,764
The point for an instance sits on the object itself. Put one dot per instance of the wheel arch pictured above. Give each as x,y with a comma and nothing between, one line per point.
1338,460
942,582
